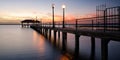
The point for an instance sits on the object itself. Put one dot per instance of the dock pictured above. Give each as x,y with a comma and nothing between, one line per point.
106,27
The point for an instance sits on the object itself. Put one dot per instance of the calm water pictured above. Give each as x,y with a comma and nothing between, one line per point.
18,43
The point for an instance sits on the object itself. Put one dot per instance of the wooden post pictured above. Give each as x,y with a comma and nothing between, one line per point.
42,31
104,49
76,24
22,24
58,38
92,57
92,24
105,19
46,33
49,34
119,18
76,53
55,37
64,41
27,25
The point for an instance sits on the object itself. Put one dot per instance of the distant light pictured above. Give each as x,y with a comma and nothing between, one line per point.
63,6
53,5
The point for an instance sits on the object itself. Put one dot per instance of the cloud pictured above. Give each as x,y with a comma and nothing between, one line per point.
87,15
57,17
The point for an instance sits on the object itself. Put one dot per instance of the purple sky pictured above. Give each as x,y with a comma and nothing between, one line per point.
16,10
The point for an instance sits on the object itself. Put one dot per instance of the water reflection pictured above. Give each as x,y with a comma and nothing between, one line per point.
63,57
25,44
39,42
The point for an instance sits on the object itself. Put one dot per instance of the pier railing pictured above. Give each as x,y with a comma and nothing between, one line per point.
103,23
105,27
109,21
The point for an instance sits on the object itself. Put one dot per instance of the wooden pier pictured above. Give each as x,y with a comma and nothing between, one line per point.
105,27
105,38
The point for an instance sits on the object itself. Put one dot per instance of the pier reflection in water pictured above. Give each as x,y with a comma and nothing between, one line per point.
26,44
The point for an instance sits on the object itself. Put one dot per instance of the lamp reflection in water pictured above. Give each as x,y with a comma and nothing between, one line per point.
39,42
45,50
66,56
63,57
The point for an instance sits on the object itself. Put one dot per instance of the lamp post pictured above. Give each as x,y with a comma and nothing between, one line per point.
53,6
63,7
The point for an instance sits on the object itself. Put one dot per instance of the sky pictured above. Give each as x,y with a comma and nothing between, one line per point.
14,11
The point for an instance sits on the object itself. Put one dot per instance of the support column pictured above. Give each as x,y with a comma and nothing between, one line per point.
76,52
104,48
64,41
55,37
49,34
58,38
92,57
40,30
22,25
46,33
43,31
27,25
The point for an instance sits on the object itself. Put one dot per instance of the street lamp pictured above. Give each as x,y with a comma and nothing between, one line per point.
63,7
53,6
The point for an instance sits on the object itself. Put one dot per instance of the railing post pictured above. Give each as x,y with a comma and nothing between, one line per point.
119,18
92,24
105,19
76,24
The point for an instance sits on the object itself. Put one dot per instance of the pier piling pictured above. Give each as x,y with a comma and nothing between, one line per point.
64,41
76,53
55,37
104,48
92,48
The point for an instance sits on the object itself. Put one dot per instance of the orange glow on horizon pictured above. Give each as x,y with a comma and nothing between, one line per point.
41,17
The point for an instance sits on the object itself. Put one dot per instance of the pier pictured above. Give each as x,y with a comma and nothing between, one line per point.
106,27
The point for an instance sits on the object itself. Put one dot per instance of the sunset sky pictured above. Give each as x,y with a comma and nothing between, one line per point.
13,11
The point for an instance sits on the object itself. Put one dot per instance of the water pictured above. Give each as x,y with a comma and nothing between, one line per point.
18,43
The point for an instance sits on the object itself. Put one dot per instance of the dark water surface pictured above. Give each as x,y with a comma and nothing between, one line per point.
18,43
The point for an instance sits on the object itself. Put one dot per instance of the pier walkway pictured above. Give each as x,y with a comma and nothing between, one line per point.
106,27
105,37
